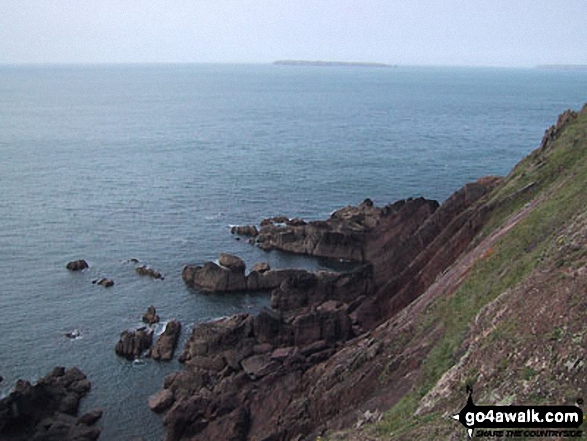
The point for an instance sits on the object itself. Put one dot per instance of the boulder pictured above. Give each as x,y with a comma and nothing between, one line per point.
167,342
77,265
150,317
231,262
161,401
215,278
133,343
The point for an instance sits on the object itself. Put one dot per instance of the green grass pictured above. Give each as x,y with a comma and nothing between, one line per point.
560,177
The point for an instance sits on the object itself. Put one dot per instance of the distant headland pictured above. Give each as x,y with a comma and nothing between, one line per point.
321,63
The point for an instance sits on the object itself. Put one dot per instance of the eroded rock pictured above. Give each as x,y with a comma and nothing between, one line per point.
133,343
150,316
47,410
165,346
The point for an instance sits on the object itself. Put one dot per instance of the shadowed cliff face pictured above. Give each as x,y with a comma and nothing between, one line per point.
383,336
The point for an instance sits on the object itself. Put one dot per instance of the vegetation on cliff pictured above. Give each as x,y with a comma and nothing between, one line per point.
513,326
486,290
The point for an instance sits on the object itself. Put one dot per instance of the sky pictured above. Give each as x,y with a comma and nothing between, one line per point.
512,33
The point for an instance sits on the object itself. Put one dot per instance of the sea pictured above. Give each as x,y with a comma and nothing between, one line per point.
110,163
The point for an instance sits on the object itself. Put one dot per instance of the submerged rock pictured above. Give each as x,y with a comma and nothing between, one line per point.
73,334
105,282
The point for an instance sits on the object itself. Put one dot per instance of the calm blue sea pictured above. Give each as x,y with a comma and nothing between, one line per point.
109,163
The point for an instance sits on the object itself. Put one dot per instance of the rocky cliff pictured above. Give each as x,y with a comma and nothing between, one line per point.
441,302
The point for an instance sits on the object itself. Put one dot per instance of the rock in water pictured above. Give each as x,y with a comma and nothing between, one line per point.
150,317
133,343
77,265
167,342
245,230
106,283
47,410
73,334
144,270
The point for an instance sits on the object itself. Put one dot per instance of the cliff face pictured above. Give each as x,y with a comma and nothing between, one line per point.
441,303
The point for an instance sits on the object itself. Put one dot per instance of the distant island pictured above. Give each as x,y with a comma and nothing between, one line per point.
331,63
573,67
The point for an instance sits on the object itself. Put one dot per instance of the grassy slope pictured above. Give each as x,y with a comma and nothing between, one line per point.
534,256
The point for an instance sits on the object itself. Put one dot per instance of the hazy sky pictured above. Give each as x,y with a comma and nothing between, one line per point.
422,32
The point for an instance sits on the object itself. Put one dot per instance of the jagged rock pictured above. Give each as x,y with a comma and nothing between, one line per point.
47,409
77,265
161,401
167,342
246,230
150,317
144,270
133,343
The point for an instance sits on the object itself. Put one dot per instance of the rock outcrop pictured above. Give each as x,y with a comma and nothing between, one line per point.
165,346
77,265
48,409
150,317
260,368
342,236
133,343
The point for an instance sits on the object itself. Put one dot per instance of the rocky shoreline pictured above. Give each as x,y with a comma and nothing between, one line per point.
47,410
256,377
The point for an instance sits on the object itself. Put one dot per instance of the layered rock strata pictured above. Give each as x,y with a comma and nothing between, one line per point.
257,377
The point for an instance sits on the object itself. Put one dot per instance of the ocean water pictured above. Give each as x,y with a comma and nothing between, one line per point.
109,163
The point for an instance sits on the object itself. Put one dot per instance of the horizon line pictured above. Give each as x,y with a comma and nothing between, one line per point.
294,63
